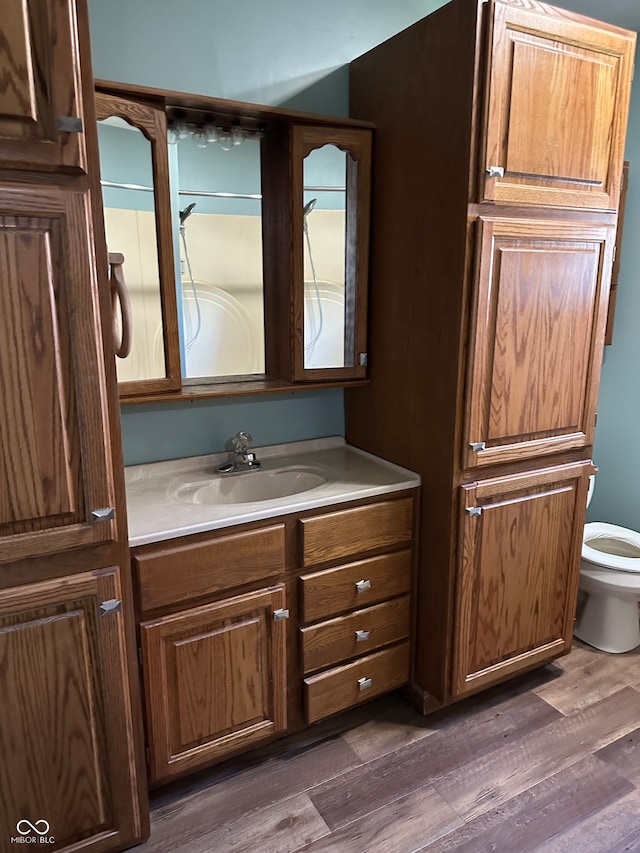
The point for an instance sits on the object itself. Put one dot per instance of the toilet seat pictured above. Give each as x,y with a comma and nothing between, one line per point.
621,543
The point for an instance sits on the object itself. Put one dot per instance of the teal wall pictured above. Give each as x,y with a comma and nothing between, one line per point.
293,53
281,52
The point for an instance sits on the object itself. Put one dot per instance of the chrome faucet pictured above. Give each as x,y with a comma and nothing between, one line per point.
242,458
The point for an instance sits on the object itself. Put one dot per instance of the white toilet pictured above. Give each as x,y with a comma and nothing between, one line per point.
608,612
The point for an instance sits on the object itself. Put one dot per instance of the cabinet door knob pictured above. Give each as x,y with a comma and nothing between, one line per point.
361,636
363,585
365,683
280,614
495,172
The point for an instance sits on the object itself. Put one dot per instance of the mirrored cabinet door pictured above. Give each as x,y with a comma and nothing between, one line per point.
329,213
134,174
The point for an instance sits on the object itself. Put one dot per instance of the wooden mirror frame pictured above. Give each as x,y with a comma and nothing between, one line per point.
151,121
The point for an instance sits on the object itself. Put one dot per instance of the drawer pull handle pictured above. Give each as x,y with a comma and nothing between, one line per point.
365,683
363,586
279,615
361,636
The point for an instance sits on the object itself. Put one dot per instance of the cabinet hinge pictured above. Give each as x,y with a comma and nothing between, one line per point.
474,510
105,513
280,614
595,420
633,72
477,446
363,359
147,755
69,124
111,605
140,655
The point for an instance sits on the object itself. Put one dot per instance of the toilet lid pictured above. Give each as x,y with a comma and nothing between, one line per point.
611,547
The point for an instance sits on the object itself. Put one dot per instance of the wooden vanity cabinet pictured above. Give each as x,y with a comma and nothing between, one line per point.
215,680
489,350
249,633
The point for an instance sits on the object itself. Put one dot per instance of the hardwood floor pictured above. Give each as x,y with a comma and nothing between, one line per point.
549,762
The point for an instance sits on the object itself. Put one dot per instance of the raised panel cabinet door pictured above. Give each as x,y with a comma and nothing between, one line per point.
519,563
537,335
56,489
215,680
557,105
41,115
66,732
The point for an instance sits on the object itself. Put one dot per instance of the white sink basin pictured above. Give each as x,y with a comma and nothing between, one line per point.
248,487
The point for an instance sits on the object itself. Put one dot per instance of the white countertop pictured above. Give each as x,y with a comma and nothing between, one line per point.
160,495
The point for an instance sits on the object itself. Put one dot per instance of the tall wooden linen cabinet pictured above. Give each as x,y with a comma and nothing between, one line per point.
71,769
497,167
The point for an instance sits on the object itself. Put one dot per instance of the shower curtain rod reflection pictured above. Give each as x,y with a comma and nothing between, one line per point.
205,194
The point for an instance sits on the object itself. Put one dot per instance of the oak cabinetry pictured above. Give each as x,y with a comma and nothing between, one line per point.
215,680
352,587
492,345
65,732
237,631
41,102
70,731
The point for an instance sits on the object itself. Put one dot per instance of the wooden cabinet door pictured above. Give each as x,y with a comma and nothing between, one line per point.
40,96
520,544
537,335
55,452
215,680
66,734
557,104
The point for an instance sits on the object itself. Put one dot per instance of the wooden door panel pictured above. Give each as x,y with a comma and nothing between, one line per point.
537,338
66,733
519,567
54,445
41,87
557,108
215,680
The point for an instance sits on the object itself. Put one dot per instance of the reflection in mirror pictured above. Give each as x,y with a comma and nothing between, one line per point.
221,254
126,170
324,236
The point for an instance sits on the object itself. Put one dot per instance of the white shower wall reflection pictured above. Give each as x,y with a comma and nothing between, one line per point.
324,236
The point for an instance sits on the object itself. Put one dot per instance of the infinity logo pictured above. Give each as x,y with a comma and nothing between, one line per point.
32,827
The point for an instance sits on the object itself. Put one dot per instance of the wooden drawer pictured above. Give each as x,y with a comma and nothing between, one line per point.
338,689
169,575
339,639
333,591
343,534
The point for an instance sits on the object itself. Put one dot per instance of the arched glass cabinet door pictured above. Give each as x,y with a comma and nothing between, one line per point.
330,216
317,242
134,172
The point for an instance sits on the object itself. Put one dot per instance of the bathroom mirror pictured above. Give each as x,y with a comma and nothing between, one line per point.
330,206
135,186
220,292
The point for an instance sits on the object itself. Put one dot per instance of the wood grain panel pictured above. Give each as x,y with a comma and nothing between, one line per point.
333,641
337,689
40,73
66,734
169,574
349,532
333,591
557,105
540,310
215,680
53,429
519,569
